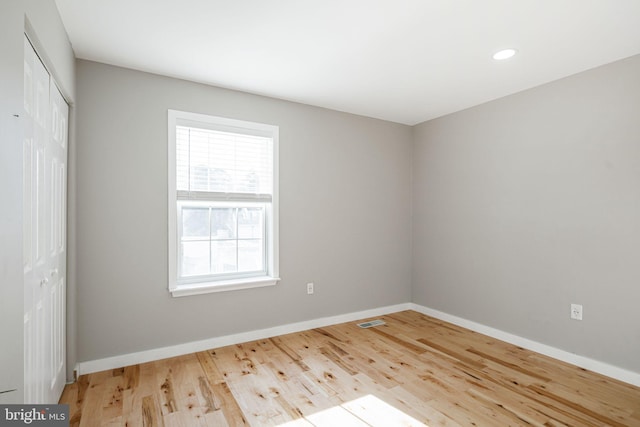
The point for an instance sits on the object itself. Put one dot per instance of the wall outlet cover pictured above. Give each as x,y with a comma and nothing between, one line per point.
576,311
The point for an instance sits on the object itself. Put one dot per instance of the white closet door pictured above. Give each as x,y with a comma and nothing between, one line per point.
58,272
44,210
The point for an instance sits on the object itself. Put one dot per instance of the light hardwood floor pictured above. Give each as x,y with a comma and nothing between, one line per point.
415,370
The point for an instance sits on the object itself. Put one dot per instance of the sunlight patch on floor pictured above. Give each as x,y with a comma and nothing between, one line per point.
362,412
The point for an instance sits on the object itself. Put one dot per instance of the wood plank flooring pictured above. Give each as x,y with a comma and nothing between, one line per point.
413,371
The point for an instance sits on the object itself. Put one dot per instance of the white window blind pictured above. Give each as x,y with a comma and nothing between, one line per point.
223,165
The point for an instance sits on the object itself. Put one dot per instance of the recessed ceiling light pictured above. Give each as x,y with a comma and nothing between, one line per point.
504,54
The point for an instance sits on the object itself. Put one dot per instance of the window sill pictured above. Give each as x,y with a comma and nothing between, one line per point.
223,286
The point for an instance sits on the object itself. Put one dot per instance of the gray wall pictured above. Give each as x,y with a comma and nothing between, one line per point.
345,222
40,19
527,204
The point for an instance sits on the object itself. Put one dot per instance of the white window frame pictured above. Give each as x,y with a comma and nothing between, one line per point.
192,287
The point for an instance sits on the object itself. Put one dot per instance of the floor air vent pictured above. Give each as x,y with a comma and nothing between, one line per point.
371,323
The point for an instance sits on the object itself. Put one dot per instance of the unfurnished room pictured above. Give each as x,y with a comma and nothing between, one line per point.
303,213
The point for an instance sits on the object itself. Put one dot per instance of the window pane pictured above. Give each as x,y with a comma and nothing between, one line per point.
250,255
195,258
250,223
223,223
222,240
195,223
223,256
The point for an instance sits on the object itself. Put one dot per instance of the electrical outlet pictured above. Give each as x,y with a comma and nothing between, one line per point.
576,311
309,288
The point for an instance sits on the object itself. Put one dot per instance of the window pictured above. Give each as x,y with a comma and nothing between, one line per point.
223,205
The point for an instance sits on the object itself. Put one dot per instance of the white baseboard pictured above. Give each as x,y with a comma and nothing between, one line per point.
565,356
191,347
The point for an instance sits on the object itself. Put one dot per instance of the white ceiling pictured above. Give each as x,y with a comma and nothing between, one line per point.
405,61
